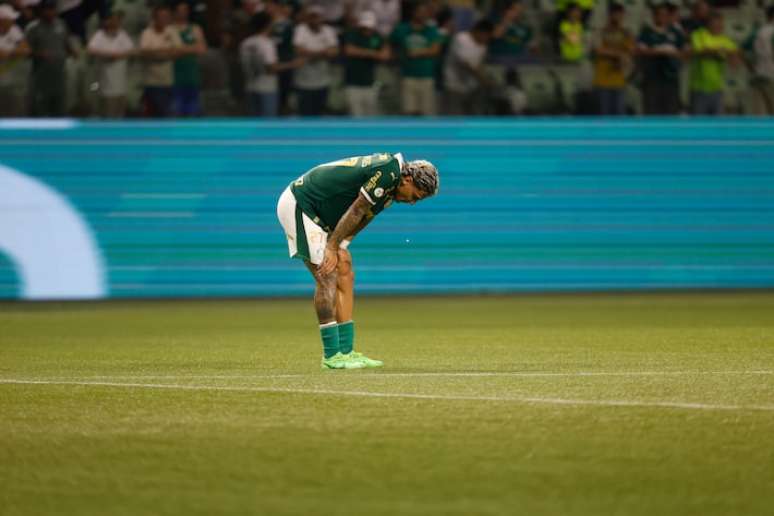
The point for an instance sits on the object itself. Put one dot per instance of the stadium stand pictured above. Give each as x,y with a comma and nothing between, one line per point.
549,86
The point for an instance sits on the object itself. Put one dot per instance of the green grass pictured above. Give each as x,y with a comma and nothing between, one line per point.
242,426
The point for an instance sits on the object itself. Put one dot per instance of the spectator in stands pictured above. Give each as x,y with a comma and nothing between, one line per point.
511,37
700,11
13,48
444,23
318,45
281,12
187,71
571,44
159,47
387,13
331,11
710,51
75,13
464,75
674,17
26,11
612,61
364,47
660,48
258,54
111,46
418,45
763,80
49,43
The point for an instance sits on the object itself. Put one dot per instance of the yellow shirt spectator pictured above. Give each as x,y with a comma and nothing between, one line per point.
571,45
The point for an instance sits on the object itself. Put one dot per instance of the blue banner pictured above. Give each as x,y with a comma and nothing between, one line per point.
159,209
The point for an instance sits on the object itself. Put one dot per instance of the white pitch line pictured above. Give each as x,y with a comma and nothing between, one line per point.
526,374
443,397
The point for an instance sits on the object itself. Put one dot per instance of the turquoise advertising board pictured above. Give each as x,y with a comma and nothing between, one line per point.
160,209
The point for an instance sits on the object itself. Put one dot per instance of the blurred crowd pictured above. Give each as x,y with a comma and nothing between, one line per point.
272,58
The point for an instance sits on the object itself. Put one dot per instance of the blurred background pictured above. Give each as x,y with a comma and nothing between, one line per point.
224,58
100,198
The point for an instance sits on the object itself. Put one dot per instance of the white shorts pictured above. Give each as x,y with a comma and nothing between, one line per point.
306,240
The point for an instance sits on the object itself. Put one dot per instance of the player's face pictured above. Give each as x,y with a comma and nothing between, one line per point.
408,192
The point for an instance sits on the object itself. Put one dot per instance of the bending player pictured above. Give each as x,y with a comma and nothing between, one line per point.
322,211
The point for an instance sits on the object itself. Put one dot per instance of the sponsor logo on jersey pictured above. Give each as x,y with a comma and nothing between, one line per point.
372,182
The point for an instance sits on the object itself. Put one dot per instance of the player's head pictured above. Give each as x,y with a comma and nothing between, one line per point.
661,15
260,22
715,22
7,18
161,16
419,180
615,14
482,32
182,11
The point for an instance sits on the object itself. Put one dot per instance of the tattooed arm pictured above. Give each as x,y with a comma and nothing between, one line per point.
361,226
348,225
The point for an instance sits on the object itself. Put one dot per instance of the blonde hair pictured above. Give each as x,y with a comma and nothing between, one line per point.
424,174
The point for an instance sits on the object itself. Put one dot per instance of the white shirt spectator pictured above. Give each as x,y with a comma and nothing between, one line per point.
764,54
65,5
315,74
8,43
159,72
256,52
387,13
112,73
464,54
332,10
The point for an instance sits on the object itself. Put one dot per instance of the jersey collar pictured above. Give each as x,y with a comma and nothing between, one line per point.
401,162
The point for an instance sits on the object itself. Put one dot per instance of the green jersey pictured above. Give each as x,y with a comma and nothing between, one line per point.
359,71
187,67
327,191
406,37
514,42
661,68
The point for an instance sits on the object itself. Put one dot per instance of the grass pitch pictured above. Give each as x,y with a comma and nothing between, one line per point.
577,405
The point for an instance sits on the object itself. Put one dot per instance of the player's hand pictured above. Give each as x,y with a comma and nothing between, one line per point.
330,261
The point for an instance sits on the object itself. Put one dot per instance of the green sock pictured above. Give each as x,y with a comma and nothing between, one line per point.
330,339
346,336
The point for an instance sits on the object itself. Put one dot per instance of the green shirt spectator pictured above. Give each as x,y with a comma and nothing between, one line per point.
661,67
571,34
409,38
187,67
511,35
708,67
514,42
359,71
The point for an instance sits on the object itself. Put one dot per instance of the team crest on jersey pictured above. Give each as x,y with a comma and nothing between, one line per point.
379,192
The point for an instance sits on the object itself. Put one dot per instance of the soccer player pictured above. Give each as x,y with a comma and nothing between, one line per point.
322,211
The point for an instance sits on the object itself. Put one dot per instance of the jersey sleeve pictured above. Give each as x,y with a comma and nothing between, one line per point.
382,177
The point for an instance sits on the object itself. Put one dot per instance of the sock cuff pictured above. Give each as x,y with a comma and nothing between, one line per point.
329,325
346,322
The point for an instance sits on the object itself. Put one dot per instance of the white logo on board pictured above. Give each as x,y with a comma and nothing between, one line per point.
52,247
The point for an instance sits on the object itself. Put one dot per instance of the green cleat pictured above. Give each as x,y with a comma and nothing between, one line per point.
362,359
341,361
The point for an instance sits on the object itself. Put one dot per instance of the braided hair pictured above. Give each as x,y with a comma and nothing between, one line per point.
424,174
